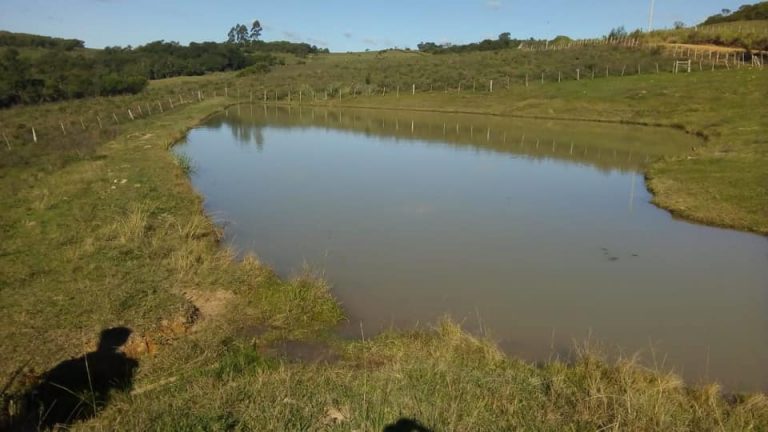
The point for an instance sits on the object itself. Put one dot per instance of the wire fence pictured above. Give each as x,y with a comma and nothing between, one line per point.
77,133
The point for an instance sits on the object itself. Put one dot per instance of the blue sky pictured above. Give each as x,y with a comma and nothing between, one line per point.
342,25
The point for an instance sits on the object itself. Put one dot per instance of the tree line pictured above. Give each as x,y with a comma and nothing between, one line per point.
23,40
504,41
248,38
59,74
66,70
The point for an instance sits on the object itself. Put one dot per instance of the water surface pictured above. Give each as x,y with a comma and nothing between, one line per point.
538,233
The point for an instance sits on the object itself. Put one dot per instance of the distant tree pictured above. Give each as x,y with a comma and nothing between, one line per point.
505,37
725,12
618,32
243,36
255,31
679,25
427,46
232,35
239,34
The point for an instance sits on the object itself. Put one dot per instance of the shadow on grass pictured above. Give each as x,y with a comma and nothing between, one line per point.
406,425
78,388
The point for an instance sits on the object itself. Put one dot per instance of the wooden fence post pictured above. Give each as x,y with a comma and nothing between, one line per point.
34,135
63,131
130,114
114,116
98,119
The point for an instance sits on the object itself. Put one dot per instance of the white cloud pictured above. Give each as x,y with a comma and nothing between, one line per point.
493,4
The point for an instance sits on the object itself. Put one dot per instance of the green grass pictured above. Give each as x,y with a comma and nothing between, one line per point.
103,229
751,35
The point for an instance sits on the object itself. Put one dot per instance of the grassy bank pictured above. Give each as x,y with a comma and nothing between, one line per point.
115,236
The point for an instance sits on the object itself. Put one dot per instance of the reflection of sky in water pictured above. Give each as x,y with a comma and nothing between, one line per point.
538,247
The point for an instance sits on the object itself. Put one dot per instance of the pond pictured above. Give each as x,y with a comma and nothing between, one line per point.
536,233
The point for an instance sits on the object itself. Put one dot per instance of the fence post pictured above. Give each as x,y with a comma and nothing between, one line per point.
490,88
413,89
63,131
98,119
7,143
34,135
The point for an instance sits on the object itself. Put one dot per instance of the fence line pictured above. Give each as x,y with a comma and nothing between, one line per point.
134,110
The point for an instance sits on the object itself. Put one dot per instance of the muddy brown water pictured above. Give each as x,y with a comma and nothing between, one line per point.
537,233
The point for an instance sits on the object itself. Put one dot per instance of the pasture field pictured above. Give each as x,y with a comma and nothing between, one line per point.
101,228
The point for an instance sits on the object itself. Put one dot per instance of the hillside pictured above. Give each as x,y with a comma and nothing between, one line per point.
748,35
758,11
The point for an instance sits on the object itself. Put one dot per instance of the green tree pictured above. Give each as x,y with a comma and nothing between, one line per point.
255,31
618,32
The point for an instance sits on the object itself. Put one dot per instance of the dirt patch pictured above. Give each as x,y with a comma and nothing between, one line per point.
148,343
713,48
210,303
